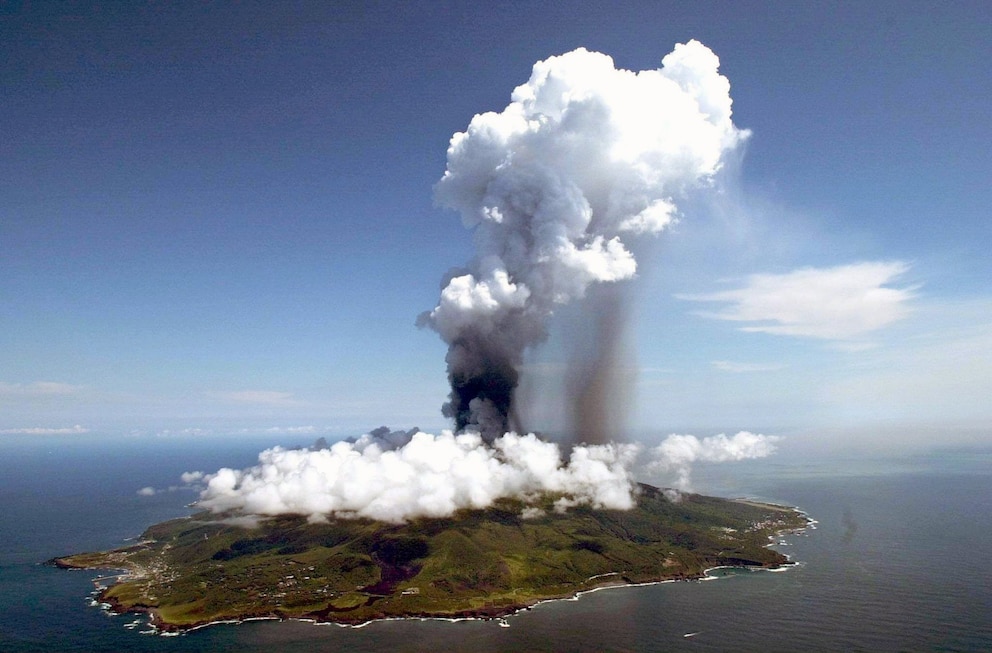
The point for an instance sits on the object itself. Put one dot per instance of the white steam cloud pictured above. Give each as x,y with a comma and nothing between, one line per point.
583,158
677,453
437,475
431,476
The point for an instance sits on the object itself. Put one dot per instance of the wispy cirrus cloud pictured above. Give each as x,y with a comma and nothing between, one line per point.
260,430
739,368
258,398
45,431
292,430
840,303
38,390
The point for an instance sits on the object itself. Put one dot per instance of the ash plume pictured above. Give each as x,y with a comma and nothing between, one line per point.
584,158
599,374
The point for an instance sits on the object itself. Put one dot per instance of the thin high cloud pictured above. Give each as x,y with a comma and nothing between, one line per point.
37,390
260,430
742,368
842,303
69,430
258,398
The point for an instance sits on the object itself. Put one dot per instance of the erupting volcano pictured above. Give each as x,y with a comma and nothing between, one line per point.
584,158
487,518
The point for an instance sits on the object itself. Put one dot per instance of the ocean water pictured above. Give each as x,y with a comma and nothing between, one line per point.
898,561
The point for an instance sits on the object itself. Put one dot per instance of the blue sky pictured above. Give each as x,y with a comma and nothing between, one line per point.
220,218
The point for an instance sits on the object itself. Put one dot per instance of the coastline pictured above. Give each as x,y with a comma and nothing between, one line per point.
157,627
497,613
165,629
130,565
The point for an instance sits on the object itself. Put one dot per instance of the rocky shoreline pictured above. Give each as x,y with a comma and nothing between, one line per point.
418,588
113,606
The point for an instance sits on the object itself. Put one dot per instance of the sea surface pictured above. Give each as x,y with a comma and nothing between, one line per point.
899,560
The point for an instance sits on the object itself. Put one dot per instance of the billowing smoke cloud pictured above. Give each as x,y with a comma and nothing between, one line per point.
437,475
430,476
677,453
583,158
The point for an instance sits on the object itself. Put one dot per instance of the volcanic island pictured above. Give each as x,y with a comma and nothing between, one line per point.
208,568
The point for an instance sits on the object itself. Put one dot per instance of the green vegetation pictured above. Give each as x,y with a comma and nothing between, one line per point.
192,571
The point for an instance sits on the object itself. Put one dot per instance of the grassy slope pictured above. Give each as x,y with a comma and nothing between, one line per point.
488,562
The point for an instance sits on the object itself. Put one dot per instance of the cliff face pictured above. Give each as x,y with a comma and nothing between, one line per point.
200,569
